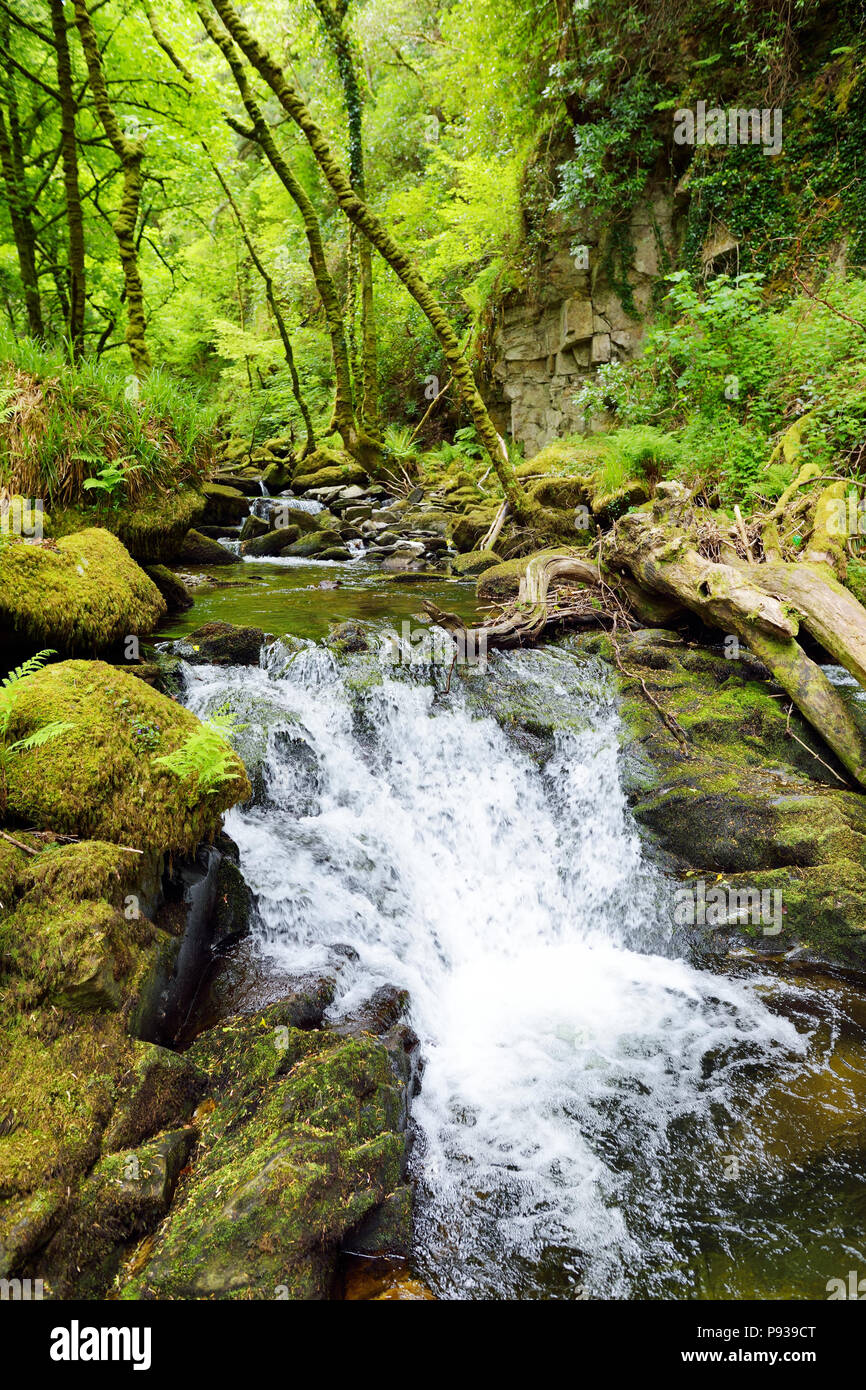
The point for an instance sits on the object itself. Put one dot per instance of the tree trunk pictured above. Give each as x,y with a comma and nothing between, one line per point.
369,224
130,154
11,165
72,190
270,294
333,14
362,448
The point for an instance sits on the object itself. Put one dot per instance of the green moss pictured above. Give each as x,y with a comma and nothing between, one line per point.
99,780
153,530
475,562
303,1142
79,595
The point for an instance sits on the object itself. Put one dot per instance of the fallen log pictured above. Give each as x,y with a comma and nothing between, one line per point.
763,606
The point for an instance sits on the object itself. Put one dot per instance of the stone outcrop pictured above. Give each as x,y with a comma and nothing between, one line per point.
548,341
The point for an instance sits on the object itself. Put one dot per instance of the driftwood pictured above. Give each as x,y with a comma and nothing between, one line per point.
650,567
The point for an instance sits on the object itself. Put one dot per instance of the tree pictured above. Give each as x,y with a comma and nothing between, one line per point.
358,212
130,153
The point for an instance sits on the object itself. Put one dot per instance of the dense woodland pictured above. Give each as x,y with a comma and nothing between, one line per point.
449,297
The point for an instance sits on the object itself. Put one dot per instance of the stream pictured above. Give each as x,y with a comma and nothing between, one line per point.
600,1115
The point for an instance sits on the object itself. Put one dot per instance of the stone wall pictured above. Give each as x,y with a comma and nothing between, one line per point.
547,343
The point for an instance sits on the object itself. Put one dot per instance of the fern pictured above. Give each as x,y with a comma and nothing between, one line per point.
204,758
8,691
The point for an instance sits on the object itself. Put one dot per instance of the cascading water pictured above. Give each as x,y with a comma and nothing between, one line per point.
582,1085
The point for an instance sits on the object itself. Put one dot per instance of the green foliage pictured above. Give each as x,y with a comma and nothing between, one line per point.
9,689
205,758
67,430
724,374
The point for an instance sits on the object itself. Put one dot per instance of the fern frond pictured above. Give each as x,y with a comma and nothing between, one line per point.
41,736
28,668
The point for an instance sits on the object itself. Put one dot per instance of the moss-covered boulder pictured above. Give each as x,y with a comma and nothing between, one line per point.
328,468
100,778
224,506
203,550
303,1138
177,596
153,530
725,790
221,644
475,562
313,544
79,594
468,530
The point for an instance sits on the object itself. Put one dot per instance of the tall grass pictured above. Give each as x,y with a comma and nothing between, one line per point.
60,424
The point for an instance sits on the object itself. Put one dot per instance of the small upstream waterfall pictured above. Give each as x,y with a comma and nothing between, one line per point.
570,1057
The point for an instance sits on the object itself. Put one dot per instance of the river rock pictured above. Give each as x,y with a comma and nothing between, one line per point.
201,550
224,505
221,644
173,589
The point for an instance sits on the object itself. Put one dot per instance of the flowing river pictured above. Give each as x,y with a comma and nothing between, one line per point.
598,1114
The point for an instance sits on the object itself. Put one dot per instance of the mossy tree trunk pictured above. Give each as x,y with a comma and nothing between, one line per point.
71,186
358,212
17,199
356,442
270,295
334,16
130,153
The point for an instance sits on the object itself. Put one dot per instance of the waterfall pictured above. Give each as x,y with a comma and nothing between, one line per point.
577,1072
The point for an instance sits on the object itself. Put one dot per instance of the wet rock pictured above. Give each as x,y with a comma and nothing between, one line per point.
201,550
221,644
174,591
313,544
351,636
305,1138
742,799
253,528
335,553
250,487
272,542
224,505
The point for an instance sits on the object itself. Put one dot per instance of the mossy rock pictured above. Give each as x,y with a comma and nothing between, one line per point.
221,644
562,493
99,779
475,562
224,505
177,596
79,594
564,457
313,544
278,474
153,530
740,797
123,1198
202,550
608,506
305,1139
328,468
253,528
468,530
